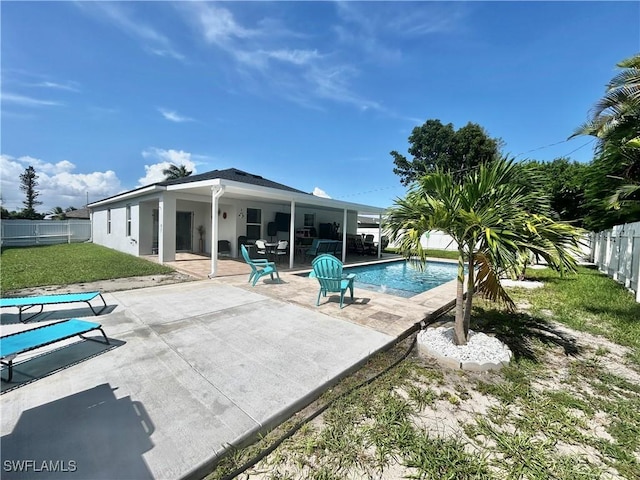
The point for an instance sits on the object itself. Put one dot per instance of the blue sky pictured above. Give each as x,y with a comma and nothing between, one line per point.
99,96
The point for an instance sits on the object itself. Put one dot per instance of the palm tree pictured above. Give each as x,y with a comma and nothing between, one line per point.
493,218
615,122
176,171
57,213
616,115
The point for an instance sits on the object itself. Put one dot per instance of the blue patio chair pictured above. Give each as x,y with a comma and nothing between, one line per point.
259,267
327,269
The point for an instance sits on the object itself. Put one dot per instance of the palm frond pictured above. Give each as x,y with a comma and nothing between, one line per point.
488,282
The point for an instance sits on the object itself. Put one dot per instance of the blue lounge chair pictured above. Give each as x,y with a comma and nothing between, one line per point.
312,251
327,269
16,343
25,303
320,246
259,267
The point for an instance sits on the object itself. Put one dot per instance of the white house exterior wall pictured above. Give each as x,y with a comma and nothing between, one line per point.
117,239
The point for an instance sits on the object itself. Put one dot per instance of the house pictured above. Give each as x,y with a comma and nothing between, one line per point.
79,213
192,214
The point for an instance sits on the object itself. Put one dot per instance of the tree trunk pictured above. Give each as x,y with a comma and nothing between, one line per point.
469,300
460,338
523,272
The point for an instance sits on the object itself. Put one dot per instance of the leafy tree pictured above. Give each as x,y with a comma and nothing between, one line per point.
176,171
604,179
615,122
564,183
28,184
434,145
493,218
627,195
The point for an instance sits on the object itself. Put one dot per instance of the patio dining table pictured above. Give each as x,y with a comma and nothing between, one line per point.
271,249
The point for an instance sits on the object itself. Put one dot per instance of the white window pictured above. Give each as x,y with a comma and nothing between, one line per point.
254,223
128,220
309,219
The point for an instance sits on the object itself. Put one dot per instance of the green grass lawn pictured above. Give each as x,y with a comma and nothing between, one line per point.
589,301
567,407
23,267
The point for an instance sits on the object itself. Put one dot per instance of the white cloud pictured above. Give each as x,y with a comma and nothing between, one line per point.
218,24
27,101
70,86
318,192
302,75
296,56
57,185
121,15
401,20
174,116
165,158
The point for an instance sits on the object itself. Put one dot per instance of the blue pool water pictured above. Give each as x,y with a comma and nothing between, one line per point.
401,279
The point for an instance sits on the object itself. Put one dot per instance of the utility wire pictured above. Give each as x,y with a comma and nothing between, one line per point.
540,148
583,145
557,143
463,169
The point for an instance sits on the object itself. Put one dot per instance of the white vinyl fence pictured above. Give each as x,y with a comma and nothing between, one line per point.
616,252
435,240
44,232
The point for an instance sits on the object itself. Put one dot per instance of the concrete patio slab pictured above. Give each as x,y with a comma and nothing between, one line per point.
194,367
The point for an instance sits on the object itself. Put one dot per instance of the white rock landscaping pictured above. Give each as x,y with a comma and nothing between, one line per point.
481,353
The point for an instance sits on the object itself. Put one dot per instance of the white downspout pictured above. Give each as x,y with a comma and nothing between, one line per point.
216,193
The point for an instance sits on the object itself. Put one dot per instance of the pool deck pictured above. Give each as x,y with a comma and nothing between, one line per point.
193,369
385,313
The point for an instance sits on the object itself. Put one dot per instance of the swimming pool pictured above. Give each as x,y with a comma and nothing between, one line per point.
401,279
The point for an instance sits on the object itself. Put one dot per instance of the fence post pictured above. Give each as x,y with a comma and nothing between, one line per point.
68,231
619,263
638,282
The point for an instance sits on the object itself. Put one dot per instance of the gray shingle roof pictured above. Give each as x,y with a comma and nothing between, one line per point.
82,213
231,174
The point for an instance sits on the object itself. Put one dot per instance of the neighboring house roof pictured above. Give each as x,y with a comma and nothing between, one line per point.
366,219
82,213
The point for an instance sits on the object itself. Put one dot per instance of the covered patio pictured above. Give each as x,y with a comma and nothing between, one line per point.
217,211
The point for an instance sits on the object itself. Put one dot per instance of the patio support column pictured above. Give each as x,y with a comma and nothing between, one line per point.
292,235
344,235
216,193
380,235
166,228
